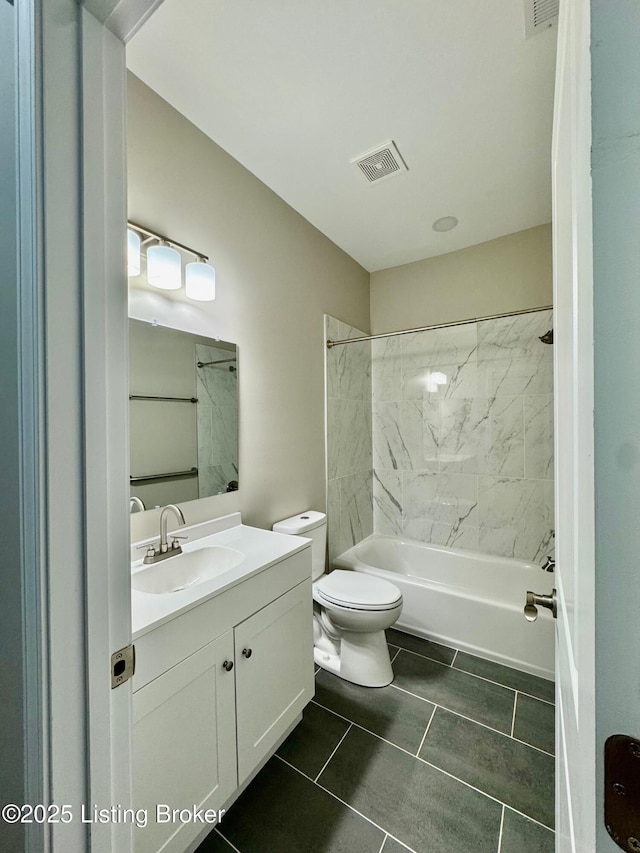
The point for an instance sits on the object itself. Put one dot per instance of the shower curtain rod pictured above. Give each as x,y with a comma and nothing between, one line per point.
438,326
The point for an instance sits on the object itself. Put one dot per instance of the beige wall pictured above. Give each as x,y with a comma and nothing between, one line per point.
276,277
512,273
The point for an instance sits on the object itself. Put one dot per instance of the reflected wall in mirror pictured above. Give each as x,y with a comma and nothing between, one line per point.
183,415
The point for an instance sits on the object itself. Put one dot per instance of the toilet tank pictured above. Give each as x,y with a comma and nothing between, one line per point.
312,525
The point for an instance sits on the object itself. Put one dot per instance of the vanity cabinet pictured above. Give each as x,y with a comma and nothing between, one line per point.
184,750
203,723
274,677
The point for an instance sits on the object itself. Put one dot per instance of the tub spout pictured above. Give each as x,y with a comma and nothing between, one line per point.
548,565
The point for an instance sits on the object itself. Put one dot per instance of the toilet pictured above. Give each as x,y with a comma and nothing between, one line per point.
351,611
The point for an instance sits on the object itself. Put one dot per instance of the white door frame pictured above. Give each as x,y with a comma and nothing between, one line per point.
73,530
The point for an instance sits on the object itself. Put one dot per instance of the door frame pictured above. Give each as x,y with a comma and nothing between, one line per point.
70,526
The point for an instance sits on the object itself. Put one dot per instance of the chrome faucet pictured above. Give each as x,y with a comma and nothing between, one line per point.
548,565
136,502
165,550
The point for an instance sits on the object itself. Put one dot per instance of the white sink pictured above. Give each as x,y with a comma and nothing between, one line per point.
186,570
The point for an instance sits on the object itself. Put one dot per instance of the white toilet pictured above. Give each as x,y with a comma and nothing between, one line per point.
350,613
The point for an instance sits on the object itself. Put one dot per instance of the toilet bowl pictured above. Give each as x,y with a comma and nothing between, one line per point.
351,611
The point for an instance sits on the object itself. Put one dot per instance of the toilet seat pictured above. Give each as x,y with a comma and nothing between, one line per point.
357,591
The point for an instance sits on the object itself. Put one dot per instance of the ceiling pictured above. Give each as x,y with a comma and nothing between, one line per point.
295,89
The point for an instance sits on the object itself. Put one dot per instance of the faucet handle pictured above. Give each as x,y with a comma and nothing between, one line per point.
548,565
148,545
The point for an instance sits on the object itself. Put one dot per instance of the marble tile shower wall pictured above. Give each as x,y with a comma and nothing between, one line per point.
463,436
217,422
349,443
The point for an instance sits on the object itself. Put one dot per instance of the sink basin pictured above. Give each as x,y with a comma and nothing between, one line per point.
185,570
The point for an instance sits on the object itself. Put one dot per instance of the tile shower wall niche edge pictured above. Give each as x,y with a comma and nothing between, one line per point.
349,442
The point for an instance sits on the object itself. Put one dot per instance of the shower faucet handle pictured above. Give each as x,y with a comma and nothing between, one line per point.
548,565
535,600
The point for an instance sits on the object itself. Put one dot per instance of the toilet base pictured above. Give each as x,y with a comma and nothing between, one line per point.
363,659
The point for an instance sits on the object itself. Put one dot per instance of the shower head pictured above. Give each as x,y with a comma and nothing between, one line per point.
547,338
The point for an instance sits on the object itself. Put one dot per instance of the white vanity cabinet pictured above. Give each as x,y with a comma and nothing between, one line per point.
272,674
184,742
215,691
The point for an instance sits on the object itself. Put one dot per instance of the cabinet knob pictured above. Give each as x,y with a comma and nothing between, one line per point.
228,665
247,653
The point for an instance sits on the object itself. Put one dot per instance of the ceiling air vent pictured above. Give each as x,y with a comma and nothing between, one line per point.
539,15
380,163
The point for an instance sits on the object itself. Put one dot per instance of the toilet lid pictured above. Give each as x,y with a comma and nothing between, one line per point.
358,591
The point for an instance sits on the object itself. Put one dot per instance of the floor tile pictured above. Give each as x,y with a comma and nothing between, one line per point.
435,651
214,843
539,687
284,812
520,835
487,703
390,713
512,772
535,723
392,846
420,806
392,649
313,740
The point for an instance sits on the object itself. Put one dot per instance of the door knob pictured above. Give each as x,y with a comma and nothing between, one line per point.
534,600
228,665
247,653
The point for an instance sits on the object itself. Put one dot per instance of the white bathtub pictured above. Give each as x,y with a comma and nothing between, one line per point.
463,599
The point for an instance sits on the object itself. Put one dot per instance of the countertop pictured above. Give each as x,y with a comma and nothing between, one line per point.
261,549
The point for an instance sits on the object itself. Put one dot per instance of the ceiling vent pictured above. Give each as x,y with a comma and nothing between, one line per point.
381,163
539,15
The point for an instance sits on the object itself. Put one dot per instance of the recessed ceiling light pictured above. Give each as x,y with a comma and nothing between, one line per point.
445,223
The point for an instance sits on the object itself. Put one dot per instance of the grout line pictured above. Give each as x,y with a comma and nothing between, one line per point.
232,846
333,753
482,677
424,736
537,748
513,718
425,640
450,710
501,828
336,797
429,763
384,841
454,658
317,670
396,655
417,758
528,817
471,720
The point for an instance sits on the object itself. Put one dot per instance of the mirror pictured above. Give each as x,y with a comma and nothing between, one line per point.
183,415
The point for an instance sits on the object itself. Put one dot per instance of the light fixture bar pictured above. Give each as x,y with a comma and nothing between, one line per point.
173,243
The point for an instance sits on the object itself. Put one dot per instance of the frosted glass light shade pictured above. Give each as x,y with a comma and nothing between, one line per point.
200,282
133,253
164,267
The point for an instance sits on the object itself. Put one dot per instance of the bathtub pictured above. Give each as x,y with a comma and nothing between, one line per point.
463,599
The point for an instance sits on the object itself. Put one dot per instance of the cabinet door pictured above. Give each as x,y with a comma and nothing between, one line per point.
275,682
184,749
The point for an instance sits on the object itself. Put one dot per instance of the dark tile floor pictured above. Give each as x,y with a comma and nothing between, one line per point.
456,756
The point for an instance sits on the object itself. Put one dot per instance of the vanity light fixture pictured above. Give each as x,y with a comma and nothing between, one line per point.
164,264
200,281
164,267
133,253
